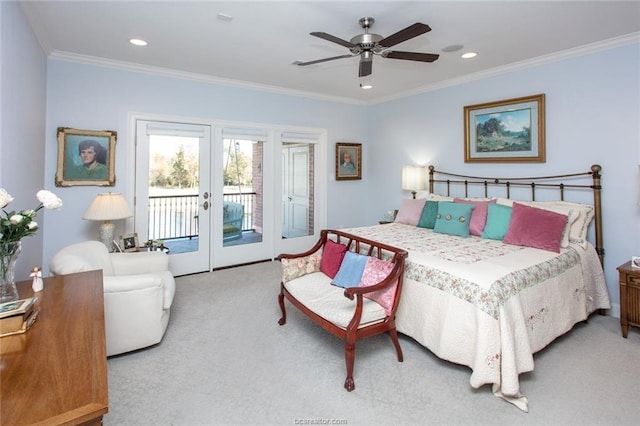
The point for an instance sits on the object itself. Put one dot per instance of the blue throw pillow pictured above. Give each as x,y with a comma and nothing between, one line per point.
351,269
453,218
498,217
428,217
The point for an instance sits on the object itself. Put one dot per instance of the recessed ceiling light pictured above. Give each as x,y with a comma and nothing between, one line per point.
225,17
469,55
138,42
366,86
452,48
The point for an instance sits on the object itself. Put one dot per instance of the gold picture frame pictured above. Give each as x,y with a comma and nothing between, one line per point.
129,242
348,161
509,131
86,157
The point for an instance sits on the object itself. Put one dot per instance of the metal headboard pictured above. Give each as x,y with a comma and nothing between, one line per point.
450,179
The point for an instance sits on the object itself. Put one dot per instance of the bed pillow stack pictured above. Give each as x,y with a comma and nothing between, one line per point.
496,219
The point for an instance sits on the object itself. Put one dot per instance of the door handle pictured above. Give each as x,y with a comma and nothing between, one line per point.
205,205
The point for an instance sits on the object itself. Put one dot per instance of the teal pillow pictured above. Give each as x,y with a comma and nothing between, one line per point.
428,217
498,217
351,269
453,218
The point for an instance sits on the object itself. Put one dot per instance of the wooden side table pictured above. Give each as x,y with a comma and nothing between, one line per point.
629,297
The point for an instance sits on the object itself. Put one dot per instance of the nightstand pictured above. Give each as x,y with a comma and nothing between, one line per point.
629,297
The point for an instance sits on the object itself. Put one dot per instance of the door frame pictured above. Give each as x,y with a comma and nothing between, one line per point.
272,153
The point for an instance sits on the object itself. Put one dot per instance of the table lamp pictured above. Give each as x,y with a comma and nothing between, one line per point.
108,206
413,179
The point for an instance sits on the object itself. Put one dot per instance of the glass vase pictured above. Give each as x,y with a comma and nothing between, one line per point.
9,253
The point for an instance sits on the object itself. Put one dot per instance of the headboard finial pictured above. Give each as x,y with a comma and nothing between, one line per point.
596,168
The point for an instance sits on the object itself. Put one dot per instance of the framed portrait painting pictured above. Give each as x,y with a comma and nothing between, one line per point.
509,131
348,161
86,157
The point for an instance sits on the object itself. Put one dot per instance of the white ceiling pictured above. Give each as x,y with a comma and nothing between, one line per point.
257,47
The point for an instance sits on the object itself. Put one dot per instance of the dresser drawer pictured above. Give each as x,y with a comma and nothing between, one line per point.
633,280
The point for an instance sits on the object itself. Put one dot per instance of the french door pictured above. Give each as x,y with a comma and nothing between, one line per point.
210,193
173,191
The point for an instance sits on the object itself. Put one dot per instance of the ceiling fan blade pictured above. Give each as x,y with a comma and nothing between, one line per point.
410,32
333,39
410,56
366,67
317,61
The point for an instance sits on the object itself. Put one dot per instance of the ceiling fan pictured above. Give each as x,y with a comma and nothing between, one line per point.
368,44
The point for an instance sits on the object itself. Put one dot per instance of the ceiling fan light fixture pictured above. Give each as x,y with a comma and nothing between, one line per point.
366,86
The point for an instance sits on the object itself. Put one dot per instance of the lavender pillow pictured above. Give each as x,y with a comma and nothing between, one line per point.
410,211
478,216
533,227
375,271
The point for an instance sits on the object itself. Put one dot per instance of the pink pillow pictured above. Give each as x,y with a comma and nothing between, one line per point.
376,270
533,227
410,211
478,215
332,256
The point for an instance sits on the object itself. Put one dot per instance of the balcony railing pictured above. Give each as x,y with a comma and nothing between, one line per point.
176,216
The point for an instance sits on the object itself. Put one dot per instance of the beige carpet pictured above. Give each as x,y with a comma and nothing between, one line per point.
225,360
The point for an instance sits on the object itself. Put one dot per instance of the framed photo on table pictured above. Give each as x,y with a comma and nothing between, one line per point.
129,242
348,161
509,131
86,157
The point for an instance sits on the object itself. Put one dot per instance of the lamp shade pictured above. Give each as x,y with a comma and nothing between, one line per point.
413,178
108,206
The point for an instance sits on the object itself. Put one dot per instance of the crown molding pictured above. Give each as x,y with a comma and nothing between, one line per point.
516,66
184,75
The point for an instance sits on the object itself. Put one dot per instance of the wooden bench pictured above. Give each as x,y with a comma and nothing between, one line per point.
352,313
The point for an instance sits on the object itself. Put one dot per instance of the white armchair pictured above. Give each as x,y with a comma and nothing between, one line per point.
138,291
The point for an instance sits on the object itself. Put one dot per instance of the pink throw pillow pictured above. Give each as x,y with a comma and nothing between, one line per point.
410,211
478,215
533,227
332,256
376,270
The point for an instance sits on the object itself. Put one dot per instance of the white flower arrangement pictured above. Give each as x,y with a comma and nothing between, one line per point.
16,225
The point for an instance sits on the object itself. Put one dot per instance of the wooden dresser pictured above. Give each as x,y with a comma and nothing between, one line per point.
56,372
629,297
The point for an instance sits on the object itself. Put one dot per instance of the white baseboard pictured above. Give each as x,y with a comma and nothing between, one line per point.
615,310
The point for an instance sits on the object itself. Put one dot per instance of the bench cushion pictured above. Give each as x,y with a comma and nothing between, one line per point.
316,293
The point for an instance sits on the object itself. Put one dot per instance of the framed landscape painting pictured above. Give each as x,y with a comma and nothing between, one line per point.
86,157
509,131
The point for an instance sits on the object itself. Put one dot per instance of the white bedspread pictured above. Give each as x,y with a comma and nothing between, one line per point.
489,305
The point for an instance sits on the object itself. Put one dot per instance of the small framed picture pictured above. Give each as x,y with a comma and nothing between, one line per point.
348,161
129,242
635,261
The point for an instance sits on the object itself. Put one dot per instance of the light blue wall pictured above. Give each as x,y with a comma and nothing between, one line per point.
99,98
592,117
22,118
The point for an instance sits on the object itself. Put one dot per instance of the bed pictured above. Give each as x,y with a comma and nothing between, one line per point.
490,303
